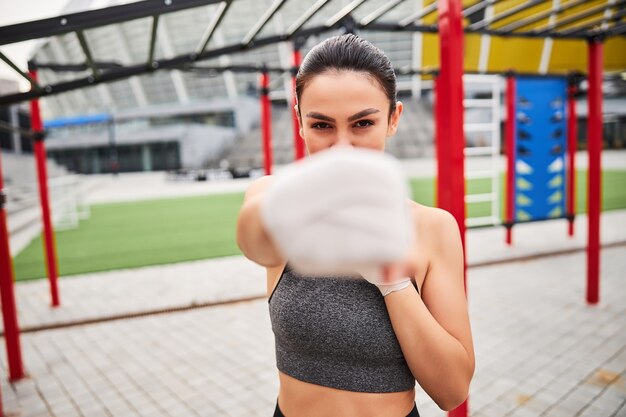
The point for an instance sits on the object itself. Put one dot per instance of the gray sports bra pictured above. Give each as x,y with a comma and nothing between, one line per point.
336,332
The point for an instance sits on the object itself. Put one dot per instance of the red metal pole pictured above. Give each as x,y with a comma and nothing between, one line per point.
266,122
450,172
7,296
298,142
451,182
510,157
443,163
42,175
594,183
572,142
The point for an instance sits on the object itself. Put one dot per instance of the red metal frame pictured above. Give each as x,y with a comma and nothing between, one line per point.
509,137
594,183
442,162
266,122
7,297
451,161
572,143
450,156
42,176
298,142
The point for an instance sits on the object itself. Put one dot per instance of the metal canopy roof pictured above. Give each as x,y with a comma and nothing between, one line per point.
573,19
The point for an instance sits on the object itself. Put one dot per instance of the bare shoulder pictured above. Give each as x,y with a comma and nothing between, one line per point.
434,221
438,235
259,186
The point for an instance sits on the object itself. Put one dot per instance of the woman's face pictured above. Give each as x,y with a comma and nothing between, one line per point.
346,108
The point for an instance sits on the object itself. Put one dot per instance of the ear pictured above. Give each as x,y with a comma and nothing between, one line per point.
295,107
395,119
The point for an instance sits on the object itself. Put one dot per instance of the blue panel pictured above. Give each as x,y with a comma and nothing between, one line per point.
77,120
540,148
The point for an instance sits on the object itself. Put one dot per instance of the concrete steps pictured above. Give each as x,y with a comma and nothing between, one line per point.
24,218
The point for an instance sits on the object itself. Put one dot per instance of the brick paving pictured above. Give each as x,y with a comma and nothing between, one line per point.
540,350
142,290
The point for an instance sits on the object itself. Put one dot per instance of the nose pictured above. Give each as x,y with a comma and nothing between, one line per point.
343,141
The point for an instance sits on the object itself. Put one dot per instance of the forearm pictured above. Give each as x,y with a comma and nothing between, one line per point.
252,238
438,361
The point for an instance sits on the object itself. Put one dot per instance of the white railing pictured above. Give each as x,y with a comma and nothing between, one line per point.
67,200
491,84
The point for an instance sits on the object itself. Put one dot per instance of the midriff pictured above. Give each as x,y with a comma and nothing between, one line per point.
301,399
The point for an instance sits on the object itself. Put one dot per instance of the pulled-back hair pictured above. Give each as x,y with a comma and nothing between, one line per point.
348,53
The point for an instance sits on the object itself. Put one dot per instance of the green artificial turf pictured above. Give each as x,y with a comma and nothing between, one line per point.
135,234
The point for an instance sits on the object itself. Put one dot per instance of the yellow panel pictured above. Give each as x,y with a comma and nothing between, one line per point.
471,52
519,54
587,5
523,54
615,54
582,22
506,5
539,23
541,7
430,51
568,55
431,18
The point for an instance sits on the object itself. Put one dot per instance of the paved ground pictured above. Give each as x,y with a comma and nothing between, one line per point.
540,350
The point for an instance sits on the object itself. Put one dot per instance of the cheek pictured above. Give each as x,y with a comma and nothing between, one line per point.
374,137
315,141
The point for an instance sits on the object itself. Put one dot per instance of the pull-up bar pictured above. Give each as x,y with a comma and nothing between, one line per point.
73,22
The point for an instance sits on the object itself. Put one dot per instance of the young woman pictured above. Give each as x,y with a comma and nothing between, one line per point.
343,348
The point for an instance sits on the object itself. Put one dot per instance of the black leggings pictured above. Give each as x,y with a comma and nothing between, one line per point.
413,413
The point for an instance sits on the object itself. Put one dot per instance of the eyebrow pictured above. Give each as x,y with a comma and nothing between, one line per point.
362,113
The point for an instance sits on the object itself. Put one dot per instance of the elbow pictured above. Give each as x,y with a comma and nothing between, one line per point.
452,401
451,405
455,395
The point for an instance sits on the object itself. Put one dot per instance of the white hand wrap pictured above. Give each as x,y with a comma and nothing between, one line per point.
374,276
340,210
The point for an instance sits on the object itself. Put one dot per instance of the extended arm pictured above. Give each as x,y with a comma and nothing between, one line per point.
434,330
252,238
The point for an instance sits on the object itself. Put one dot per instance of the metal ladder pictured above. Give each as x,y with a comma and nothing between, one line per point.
485,155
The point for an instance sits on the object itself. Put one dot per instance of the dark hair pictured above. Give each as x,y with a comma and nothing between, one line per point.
348,53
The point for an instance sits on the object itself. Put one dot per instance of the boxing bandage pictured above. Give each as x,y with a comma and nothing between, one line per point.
340,211
374,276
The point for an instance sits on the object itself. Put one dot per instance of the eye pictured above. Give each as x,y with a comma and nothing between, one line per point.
364,123
320,125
